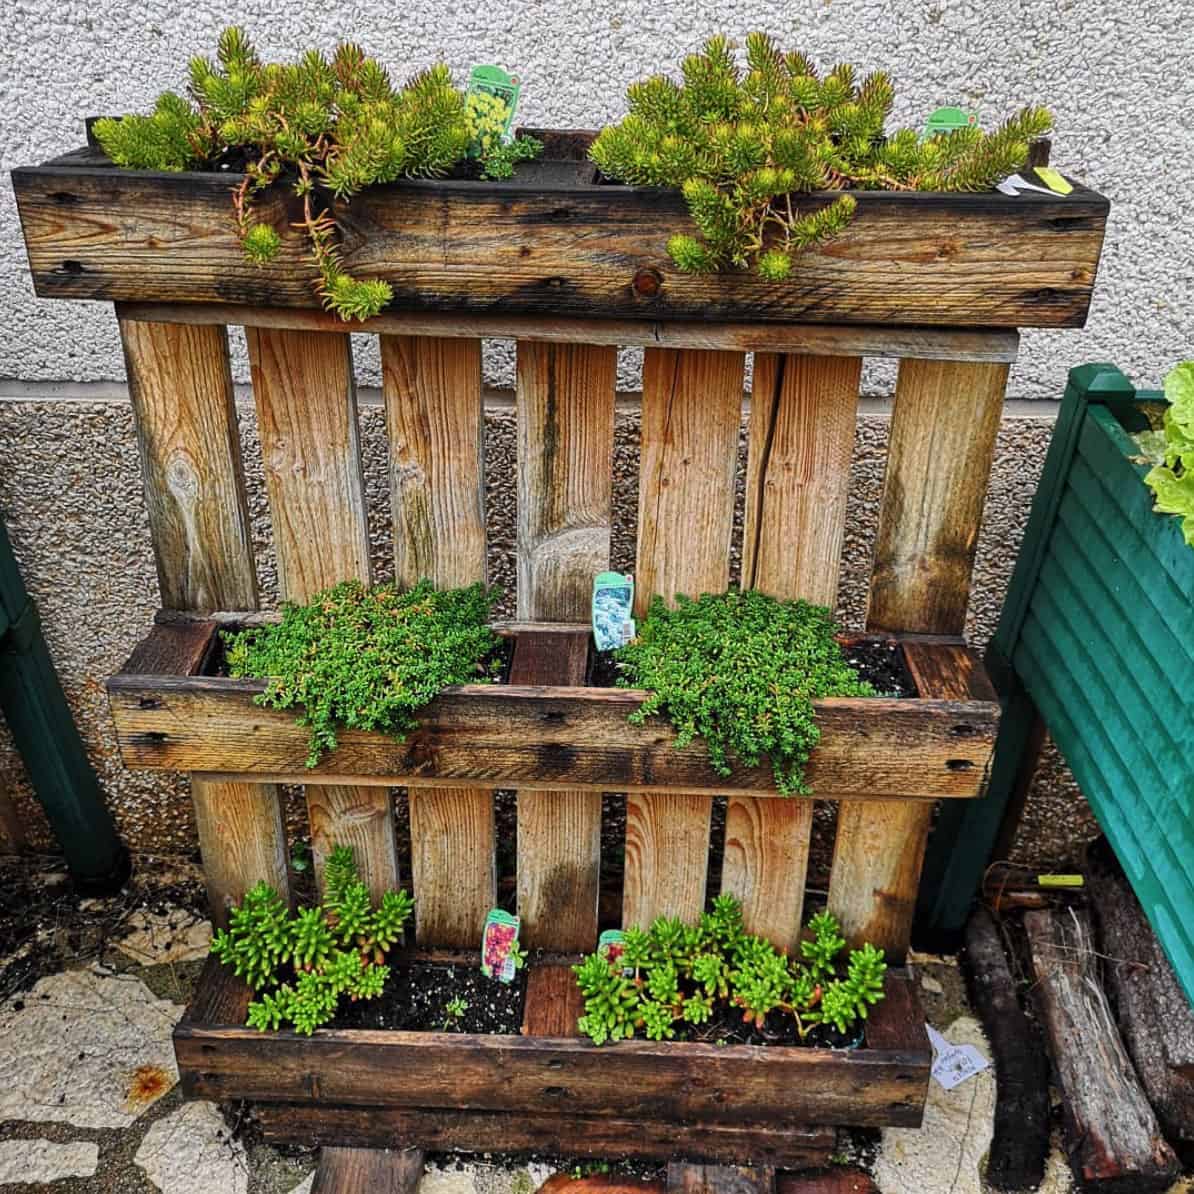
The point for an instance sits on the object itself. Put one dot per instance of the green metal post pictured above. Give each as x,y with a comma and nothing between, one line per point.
35,707
967,831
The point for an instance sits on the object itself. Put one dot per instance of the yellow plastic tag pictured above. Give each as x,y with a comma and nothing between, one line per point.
1060,881
1053,180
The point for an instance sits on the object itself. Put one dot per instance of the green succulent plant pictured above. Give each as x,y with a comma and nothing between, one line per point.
328,127
300,965
741,144
742,671
675,975
366,658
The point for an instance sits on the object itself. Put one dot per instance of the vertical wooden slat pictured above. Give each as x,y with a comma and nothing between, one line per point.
306,414
181,390
565,404
802,425
436,422
942,441
692,409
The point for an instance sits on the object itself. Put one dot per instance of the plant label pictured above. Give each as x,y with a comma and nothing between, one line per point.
497,945
949,120
1053,180
613,601
953,1064
492,80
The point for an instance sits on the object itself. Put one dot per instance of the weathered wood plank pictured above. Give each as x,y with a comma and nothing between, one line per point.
738,1084
565,409
685,1177
553,1001
939,461
508,736
691,415
176,649
436,422
935,344
181,389
305,394
448,1130
802,423
1113,1140
1020,1140
532,245
1155,1019
436,425
354,1170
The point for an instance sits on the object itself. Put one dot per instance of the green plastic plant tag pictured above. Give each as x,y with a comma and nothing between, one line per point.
498,945
613,603
492,81
949,120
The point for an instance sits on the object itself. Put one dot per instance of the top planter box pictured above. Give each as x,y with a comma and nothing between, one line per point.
557,240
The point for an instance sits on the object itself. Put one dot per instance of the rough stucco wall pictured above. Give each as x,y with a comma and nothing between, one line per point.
70,490
1114,73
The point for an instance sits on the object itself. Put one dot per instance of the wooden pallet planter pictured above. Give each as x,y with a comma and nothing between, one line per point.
555,241
571,270
556,1092
538,736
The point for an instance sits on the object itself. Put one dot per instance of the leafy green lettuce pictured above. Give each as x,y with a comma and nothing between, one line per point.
1172,482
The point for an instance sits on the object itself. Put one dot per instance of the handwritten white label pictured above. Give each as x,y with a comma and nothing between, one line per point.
953,1064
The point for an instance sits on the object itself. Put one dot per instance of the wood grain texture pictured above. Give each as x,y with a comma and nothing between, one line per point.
948,344
939,453
565,410
940,448
180,384
691,415
543,243
1112,1137
540,738
181,389
436,420
685,1177
689,1081
310,446
802,423
349,1170
305,393
553,1001
595,1136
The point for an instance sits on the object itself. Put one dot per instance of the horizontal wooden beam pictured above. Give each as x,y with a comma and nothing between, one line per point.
686,1081
997,345
595,1136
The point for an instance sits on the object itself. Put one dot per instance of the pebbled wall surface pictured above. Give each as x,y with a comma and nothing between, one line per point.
1115,73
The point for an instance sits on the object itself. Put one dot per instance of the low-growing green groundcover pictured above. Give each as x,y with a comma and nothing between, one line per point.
741,670
714,981
368,658
1170,450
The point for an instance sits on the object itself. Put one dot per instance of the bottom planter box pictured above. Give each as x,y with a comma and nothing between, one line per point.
549,1091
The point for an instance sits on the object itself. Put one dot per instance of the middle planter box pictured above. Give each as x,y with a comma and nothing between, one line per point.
173,713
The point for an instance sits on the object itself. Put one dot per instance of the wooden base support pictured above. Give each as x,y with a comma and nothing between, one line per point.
368,1171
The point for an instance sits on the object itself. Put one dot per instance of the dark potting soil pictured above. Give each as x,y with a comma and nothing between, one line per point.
878,661
418,994
727,1027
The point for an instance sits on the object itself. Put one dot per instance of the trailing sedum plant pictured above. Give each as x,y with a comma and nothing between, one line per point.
329,127
301,965
675,975
742,670
366,658
740,145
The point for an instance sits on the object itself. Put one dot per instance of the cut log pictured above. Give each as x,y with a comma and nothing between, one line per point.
1021,1136
1112,1137
368,1171
1154,1016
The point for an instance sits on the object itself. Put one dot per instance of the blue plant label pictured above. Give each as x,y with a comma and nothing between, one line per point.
613,603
